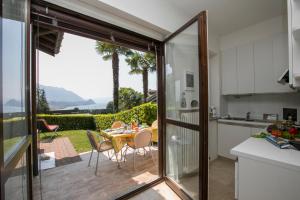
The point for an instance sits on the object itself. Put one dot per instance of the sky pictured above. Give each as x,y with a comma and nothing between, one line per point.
79,68
13,61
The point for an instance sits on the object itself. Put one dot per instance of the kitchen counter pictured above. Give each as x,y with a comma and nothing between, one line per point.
262,150
265,172
255,124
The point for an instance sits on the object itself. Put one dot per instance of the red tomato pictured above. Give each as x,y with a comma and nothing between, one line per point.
293,131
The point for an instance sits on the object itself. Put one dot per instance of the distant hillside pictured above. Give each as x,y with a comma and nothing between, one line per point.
60,94
13,102
60,98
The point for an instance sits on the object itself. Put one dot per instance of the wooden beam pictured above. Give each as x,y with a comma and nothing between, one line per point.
46,50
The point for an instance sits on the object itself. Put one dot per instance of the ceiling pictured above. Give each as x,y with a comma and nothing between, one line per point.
226,16
157,18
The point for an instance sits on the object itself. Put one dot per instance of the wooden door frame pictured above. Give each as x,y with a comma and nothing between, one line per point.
201,18
25,146
137,41
85,26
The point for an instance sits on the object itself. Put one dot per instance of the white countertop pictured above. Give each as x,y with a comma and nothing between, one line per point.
262,150
245,123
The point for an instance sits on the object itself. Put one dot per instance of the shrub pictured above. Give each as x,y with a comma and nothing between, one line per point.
71,121
14,127
145,113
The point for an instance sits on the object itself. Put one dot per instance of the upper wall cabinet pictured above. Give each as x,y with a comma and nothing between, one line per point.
245,69
263,66
258,66
294,41
229,72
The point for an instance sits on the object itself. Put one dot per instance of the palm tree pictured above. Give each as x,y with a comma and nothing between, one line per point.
110,51
142,63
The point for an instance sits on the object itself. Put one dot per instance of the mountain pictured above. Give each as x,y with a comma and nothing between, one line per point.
60,98
13,102
60,94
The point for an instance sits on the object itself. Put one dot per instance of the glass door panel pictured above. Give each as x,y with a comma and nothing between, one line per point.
185,108
14,73
182,76
183,158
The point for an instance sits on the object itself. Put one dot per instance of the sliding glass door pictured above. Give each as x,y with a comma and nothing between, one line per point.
186,109
15,112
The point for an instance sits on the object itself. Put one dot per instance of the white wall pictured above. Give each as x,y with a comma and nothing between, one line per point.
259,104
214,82
253,33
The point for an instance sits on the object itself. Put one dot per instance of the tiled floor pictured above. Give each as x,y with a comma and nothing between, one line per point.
63,150
158,192
77,181
221,179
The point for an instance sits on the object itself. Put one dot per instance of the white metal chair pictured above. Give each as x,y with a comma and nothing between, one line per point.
141,140
117,124
105,145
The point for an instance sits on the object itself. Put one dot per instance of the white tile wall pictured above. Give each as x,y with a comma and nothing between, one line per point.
263,103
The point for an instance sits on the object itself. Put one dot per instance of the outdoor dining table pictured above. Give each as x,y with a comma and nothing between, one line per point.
119,137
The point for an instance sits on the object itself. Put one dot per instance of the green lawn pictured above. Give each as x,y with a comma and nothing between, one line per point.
77,137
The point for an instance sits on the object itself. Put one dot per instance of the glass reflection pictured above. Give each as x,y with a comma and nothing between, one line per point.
182,156
16,184
182,72
14,73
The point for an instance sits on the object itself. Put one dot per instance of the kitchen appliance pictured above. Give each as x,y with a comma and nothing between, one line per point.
290,114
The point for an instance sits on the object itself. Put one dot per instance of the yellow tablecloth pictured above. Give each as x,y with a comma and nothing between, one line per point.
154,134
119,140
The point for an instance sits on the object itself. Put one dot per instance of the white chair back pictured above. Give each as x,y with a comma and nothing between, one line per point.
142,138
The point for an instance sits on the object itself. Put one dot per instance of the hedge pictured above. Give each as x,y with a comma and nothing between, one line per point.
14,127
70,121
145,113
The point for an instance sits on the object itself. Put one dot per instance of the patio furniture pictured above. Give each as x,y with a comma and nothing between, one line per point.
43,126
141,140
118,139
117,124
99,147
154,129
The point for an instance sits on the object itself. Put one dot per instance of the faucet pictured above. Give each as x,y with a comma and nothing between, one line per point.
248,116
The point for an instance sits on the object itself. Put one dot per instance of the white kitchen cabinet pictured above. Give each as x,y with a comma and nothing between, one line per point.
229,72
229,136
294,41
245,69
212,140
254,68
264,71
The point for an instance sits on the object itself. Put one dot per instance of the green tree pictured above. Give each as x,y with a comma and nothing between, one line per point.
129,98
142,63
42,103
111,52
110,107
